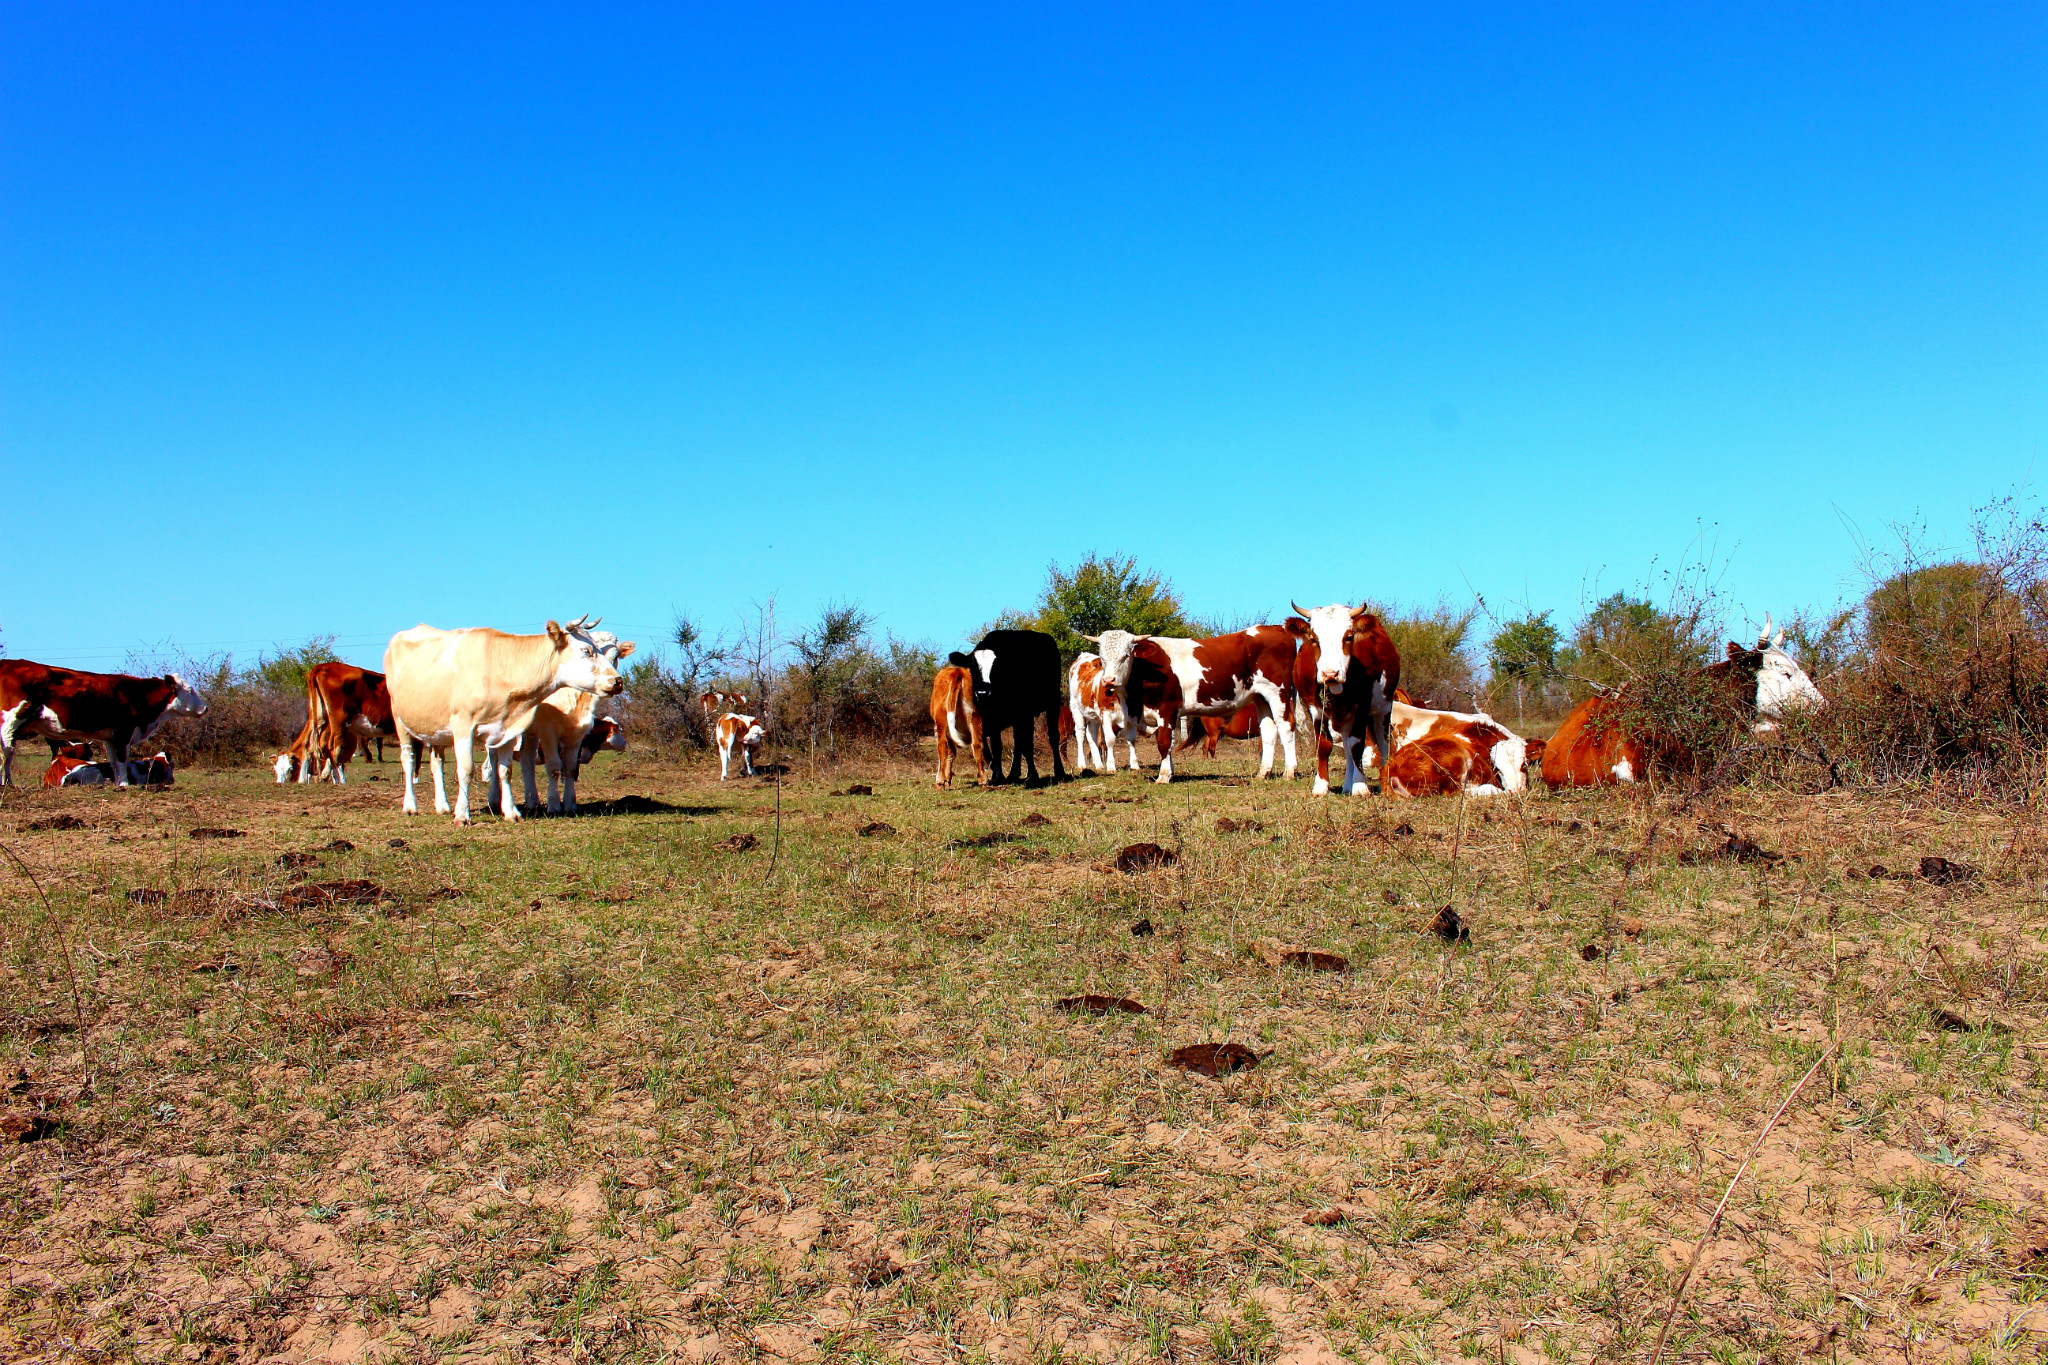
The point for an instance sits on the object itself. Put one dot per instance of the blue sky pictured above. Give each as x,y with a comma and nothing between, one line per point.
332,319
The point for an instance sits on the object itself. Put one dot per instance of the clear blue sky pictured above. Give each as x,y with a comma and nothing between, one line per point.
332,319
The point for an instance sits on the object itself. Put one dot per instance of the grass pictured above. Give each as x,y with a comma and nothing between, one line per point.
600,1088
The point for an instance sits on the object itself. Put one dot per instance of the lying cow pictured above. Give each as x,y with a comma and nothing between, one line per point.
955,722
1356,670
1218,676
741,736
1441,753
73,767
1595,748
450,688
60,704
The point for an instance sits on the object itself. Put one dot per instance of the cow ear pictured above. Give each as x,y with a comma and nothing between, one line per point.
959,660
625,649
1297,626
557,634
1735,651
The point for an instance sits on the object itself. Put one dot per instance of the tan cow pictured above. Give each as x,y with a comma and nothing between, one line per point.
450,688
566,733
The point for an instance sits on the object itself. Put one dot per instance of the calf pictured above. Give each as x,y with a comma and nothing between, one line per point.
1096,710
740,735
1357,669
1216,677
59,704
1016,677
292,763
1437,753
956,722
566,733
73,771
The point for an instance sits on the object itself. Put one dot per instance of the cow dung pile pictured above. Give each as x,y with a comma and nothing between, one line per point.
1144,857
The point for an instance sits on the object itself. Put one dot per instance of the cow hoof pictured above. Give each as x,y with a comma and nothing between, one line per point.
1321,788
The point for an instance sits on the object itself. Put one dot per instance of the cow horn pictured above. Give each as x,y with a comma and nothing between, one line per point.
1297,607
578,623
1764,636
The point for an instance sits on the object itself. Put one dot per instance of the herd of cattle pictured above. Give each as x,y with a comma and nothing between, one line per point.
534,698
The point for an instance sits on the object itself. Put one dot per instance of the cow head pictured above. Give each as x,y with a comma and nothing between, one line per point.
184,700
583,660
1329,634
1115,646
980,666
606,733
1782,686
285,766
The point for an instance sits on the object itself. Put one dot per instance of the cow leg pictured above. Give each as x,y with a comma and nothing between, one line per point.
526,776
441,806
1084,742
1268,737
1285,725
12,722
1322,787
1052,742
569,764
1354,775
1167,720
974,746
501,774
408,761
465,764
945,742
992,749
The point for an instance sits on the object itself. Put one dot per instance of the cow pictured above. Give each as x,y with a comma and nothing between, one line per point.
1217,676
1240,724
566,733
1016,676
715,703
1357,669
742,735
116,709
451,687
343,699
1438,753
956,722
73,767
1594,748
568,727
1095,711
290,763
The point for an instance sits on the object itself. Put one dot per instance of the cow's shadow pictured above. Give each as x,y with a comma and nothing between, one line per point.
642,805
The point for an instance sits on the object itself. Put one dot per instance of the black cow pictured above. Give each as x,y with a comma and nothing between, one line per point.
1016,680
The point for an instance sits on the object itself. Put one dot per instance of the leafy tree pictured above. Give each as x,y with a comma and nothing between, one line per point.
1102,593
1436,663
1525,650
1625,636
285,671
832,657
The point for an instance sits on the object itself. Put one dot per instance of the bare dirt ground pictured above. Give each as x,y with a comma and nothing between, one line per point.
616,1088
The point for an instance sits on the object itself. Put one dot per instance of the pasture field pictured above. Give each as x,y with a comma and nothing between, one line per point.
606,1088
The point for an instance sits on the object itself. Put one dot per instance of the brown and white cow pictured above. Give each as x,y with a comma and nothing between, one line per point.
1357,670
716,703
1439,753
956,722
1219,676
73,767
342,699
290,763
450,688
1096,713
741,735
116,709
1594,748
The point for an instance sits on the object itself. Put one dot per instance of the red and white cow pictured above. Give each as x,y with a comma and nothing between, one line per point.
346,708
73,767
955,722
291,763
1439,753
1219,676
116,709
715,703
1096,706
742,735
1357,669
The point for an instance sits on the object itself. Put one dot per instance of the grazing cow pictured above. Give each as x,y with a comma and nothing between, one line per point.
73,767
566,733
1594,749
60,704
291,762
1357,669
742,735
956,722
342,699
1438,753
1216,677
1016,677
451,687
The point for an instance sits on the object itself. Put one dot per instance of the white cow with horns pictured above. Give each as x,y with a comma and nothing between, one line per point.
450,688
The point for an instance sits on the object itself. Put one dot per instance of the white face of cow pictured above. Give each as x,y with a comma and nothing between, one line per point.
187,702
1330,631
583,663
283,767
1783,687
1116,647
1511,761
985,667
